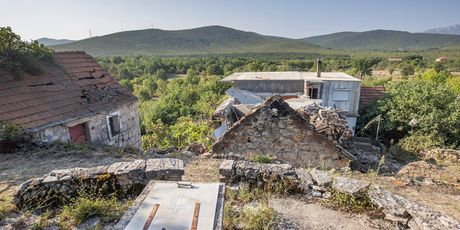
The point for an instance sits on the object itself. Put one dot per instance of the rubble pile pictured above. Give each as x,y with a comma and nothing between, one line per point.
323,184
329,122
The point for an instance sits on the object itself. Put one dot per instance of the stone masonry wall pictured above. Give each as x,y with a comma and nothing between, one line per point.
130,134
322,184
122,179
282,133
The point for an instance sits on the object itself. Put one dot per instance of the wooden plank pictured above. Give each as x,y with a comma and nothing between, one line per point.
196,212
151,216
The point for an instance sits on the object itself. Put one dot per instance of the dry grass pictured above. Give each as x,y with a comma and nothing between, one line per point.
202,170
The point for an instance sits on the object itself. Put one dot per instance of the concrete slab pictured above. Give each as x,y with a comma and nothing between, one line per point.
177,206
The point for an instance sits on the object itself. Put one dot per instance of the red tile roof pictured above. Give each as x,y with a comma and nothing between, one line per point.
73,86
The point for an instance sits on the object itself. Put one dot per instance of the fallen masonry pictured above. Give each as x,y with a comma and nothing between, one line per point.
318,183
123,179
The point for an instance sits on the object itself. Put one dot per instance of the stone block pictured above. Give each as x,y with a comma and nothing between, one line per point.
226,168
322,178
349,186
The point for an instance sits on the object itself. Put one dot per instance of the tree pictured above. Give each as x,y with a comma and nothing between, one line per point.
425,109
363,66
407,70
20,56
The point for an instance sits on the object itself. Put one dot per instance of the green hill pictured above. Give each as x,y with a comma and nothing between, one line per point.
385,40
203,40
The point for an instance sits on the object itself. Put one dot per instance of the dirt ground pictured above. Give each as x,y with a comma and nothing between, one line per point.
297,214
18,167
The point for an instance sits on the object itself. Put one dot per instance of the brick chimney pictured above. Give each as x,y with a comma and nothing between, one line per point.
318,67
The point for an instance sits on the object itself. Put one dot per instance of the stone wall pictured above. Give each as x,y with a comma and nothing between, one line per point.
322,184
97,133
122,179
276,129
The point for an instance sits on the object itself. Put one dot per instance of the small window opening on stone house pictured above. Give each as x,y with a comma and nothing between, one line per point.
113,124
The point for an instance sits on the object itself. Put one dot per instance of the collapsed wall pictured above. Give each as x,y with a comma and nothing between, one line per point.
121,179
323,184
274,128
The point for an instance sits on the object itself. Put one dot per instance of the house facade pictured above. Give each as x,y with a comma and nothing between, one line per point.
73,101
300,89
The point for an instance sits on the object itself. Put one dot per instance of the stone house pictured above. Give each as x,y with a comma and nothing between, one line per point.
300,89
274,128
72,100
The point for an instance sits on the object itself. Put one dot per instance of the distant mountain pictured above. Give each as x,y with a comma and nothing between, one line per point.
203,40
453,29
52,41
386,40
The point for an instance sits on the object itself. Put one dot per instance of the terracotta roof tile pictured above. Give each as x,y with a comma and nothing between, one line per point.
74,85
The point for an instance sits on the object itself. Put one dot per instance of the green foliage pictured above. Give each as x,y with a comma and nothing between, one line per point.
407,70
454,84
9,131
109,210
436,76
20,56
376,82
363,66
262,159
424,109
183,132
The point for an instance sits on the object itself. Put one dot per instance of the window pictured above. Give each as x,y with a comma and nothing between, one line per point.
113,124
341,95
313,93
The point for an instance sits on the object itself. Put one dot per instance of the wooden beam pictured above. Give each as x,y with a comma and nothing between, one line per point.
195,216
151,216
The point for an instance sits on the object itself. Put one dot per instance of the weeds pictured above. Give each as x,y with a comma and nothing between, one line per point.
248,209
267,159
351,203
109,210
6,205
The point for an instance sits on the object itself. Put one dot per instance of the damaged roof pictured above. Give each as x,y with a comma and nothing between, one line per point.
290,75
282,109
71,87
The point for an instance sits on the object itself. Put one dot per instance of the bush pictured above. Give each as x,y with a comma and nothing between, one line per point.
109,210
20,56
422,108
9,131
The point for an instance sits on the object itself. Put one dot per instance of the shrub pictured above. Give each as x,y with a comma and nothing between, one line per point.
9,131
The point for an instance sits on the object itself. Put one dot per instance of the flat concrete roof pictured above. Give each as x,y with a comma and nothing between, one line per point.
311,76
173,207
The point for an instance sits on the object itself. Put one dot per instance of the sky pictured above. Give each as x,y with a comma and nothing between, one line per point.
72,19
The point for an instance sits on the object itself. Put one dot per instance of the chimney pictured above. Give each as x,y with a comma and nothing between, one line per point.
318,67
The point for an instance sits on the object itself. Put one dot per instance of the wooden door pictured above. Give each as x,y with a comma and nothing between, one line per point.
77,133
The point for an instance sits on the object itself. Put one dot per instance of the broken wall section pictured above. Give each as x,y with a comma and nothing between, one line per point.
276,129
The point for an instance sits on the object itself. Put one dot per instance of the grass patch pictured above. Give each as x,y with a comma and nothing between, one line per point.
248,209
267,159
357,204
6,205
108,210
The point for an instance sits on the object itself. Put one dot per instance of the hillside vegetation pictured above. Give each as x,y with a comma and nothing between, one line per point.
384,40
203,40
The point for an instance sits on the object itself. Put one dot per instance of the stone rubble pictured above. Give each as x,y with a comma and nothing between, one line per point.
323,184
122,178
